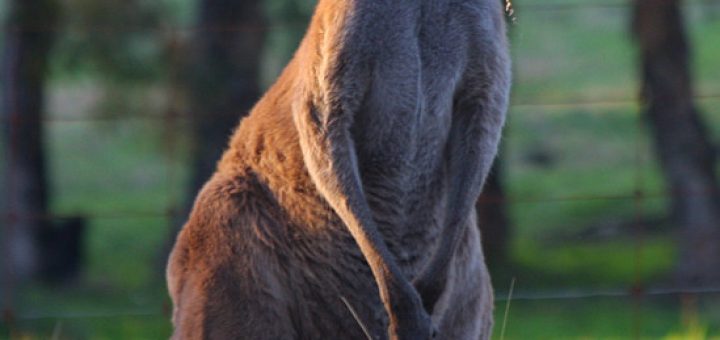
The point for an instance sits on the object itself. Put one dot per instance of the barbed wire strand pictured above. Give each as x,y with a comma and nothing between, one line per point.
500,296
515,105
152,214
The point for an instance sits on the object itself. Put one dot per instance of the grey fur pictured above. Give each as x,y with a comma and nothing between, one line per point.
355,176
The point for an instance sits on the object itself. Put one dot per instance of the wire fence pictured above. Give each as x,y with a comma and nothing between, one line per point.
638,197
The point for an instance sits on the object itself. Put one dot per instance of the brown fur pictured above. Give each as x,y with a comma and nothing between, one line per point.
355,174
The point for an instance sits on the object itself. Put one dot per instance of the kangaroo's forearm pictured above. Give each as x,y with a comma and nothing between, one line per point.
330,157
472,147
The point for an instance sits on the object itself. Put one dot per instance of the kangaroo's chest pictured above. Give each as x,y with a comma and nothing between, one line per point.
402,130
407,113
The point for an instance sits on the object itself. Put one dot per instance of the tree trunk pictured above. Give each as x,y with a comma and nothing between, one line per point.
493,219
681,141
29,34
222,82
491,207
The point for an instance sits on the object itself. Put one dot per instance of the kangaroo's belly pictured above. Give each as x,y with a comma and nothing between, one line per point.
401,134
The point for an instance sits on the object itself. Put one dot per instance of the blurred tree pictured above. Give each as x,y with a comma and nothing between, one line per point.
223,79
681,141
492,209
29,35
222,84
289,19
116,43
120,46
117,39
493,218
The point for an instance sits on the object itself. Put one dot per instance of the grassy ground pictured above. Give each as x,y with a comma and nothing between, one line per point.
571,169
609,318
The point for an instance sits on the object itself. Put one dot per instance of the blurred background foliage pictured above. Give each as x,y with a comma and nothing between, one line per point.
588,217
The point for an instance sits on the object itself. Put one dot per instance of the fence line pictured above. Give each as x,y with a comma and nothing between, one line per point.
500,296
569,294
110,313
172,209
185,116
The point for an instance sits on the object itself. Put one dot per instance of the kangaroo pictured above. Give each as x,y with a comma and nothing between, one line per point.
344,205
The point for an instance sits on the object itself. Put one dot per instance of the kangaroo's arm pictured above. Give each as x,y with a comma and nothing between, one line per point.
478,118
330,94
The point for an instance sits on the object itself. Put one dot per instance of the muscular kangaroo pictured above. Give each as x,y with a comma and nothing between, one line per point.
344,206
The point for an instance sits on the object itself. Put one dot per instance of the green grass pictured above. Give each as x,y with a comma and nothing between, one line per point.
592,265
609,318
569,168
